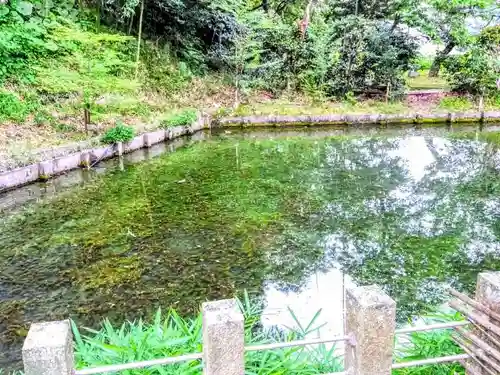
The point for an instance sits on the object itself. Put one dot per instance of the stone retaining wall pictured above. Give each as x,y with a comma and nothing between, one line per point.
86,158
280,120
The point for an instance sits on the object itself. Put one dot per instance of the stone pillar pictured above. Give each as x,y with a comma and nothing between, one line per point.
45,169
48,349
223,338
85,160
119,148
371,321
487,294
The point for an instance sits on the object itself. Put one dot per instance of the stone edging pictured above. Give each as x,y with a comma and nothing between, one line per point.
50,168
280,120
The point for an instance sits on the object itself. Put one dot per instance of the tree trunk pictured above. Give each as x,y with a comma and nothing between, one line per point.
441,56
137,59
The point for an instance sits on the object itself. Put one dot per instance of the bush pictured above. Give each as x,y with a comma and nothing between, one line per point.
120,133
456,103
184,118
477,71
12,108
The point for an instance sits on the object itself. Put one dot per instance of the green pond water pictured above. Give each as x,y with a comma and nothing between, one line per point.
411,213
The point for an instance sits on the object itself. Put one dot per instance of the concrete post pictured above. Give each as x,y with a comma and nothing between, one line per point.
85,160
119,148
48,349
223,338
371,320
487,294
45,169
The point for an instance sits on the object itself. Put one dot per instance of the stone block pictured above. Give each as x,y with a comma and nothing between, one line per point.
48,349
135,144
492,116
19,176
371,321
84,159
223,338
45,169
198,125
66,163
177,131
153,138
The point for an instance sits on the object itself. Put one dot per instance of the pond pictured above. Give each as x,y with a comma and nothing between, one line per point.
269,214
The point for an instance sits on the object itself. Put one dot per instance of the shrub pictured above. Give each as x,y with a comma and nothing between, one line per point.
12,108
120,133
456,103
184,118
477,70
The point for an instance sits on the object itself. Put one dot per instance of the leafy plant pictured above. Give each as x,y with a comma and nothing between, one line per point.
477,71
119,133
184,118
456,103
432,344
171,335
13,108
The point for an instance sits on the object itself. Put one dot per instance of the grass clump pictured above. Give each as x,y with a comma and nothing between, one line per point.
184,118
13,108
120,133
171,335
432,344
456,103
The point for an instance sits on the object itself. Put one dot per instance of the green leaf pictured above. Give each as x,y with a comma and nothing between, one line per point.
24,8
4,10
51,46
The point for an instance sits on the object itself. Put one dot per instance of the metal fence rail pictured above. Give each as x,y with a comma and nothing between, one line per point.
282,345
137,365
432,327
431,361
370,317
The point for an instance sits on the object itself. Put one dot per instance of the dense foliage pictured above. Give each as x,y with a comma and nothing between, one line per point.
332,48
171,335
477,70
120,133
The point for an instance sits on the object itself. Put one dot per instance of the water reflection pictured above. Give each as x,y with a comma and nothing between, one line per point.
323,292
284,219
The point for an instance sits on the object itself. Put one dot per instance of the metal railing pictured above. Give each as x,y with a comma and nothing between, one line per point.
282,345
369,314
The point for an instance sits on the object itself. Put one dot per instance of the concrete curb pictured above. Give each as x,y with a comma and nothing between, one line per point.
319,120
46,169
53,167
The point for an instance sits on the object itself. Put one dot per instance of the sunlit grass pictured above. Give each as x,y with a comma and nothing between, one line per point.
424,82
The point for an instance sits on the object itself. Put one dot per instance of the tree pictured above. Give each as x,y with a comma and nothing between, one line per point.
372,55
478,70
445,21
